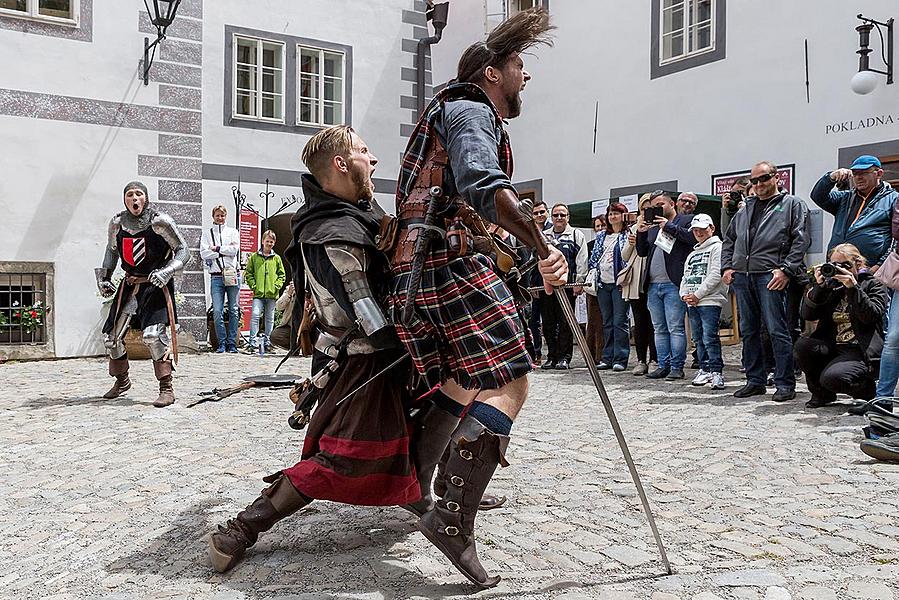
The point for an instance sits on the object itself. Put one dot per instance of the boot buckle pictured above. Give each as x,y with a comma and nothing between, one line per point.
451,531
457,481
453,506
465,454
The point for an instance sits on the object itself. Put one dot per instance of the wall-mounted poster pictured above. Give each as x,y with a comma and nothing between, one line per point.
786,178
249,231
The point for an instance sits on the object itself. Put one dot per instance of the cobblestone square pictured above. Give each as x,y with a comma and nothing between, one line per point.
754,499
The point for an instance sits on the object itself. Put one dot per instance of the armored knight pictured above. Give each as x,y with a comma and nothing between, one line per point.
358,448
151,250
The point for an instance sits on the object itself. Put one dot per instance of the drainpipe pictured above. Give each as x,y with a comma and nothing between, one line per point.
437,14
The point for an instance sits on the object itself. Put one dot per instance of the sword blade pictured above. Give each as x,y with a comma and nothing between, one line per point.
373,377
613,420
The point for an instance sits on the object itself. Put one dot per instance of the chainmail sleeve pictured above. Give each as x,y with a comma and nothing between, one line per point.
111,255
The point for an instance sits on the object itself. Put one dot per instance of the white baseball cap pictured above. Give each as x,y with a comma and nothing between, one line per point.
701,221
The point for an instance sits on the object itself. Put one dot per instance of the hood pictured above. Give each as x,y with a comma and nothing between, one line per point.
325,218
712,240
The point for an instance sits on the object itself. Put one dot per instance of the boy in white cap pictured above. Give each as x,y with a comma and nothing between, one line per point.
704,293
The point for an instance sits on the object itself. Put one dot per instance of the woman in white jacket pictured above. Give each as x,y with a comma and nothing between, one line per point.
705,293
220,251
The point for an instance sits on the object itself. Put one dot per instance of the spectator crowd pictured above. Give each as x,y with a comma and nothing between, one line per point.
647,275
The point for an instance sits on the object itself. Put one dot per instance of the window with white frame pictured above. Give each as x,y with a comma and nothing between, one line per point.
320,86
516,6
688,28
258,79
50,10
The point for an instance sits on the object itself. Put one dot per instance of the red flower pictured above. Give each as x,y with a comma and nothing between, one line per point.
34,314
16,315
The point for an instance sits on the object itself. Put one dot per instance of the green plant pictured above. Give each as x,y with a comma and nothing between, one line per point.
31,317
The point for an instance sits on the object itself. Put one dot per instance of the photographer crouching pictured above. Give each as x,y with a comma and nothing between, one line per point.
841,355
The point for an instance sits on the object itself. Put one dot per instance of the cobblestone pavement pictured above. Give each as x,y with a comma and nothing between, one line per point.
753,499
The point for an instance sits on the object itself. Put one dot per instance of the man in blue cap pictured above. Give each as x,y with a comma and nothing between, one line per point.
861,215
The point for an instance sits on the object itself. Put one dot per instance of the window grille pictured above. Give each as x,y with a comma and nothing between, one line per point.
23,308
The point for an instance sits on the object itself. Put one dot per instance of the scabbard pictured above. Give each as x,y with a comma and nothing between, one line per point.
420,255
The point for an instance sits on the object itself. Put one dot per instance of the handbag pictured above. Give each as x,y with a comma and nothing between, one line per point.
888,273
229,274
625,275
590,282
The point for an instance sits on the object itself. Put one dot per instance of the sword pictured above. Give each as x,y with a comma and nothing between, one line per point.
420,254
373,377
613,420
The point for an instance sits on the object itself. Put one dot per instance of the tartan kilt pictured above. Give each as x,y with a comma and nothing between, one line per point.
465,326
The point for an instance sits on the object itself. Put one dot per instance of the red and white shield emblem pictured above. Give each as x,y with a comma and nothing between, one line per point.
133,250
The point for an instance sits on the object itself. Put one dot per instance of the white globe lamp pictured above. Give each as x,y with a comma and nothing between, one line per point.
864,82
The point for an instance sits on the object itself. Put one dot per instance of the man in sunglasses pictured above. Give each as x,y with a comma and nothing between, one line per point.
861,216
686,203
541,217
764,247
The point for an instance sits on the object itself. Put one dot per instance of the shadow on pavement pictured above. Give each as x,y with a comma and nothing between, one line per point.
48,402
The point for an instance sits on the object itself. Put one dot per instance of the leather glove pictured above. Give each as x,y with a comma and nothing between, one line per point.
160,277
106,288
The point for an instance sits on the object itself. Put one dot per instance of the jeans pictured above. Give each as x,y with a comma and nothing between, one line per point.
889,358
617,346
534,324
559,337
260,304
219,291
757,303
668,312
704,329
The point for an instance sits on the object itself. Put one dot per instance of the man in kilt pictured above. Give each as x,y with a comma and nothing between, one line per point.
360,448
151,250
454,313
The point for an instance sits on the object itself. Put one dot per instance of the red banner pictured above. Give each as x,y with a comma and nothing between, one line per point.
249,231
722,183
245,301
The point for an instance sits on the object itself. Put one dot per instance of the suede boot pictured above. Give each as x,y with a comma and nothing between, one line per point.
488,502
278,501
163,370
429,439
475,452
118,368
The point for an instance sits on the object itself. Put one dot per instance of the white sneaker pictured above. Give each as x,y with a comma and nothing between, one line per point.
717,381
702,378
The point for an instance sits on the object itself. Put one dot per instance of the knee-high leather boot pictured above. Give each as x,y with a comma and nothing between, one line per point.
278,501
163,370
475,452
118,368
429,439
488,501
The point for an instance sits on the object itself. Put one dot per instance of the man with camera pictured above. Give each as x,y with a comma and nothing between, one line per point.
763,247
848,303
665,238
861,215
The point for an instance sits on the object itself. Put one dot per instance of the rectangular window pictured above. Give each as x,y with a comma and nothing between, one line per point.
23,308
259,79
516,6
50,10
687,28
320,86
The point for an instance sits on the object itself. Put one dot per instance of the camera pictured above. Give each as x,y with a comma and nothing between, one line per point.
831,269
650,213
734,197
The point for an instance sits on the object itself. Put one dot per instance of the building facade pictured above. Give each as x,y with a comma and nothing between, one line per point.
669,94
233,94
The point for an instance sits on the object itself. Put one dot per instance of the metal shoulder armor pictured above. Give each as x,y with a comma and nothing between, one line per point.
163,225
351,263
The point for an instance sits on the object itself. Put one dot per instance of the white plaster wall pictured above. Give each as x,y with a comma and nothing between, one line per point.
375,32
687,126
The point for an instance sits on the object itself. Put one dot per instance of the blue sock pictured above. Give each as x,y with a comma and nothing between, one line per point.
492,418
445,403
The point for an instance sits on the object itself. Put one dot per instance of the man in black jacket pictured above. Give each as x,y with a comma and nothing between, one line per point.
840,357
763,247
662,277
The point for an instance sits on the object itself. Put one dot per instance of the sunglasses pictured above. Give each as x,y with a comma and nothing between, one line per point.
539,212
559,215
686,202
762,178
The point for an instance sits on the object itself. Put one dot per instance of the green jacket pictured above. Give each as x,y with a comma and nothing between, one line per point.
265,275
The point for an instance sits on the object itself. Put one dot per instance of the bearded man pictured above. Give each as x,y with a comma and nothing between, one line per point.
358,449
455,314
151,250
